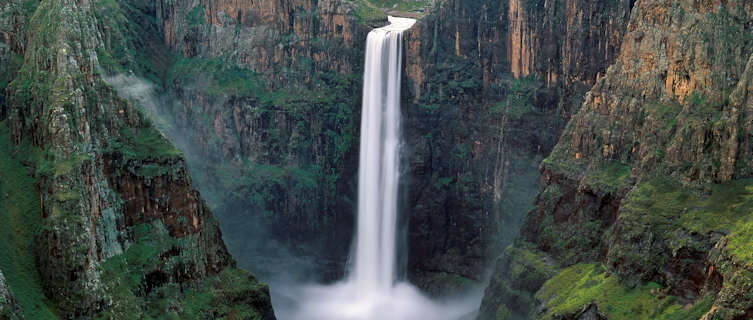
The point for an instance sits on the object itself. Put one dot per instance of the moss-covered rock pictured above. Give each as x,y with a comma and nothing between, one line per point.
651,175
665,229
519,272
9,308
572,292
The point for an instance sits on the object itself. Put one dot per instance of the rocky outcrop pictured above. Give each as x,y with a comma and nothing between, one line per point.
9,308
644,175
271,38
666,75
490,86
121,222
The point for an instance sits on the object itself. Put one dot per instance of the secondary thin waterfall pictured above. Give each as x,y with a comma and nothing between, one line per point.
374,268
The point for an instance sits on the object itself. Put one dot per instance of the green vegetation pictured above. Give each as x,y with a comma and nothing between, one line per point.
663,114
195,17
703,109
503,313
151,170
574,239
323,106
583,284
367,11
374,10
666,205
134,43
266,189
551,193
63,167
610,176
452,82
399,5
215,76
562,160
520,271
20,213
15,61
232,293
517,97
527,262
210,297
740,243
142,143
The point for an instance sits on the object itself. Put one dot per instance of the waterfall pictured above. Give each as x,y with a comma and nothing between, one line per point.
374,267
371,292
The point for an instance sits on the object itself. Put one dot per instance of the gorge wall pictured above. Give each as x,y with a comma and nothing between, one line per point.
268,103
646,205
640,109
100,217
490,86
275,111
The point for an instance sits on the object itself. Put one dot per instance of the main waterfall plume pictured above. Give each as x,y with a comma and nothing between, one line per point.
371,290
374,268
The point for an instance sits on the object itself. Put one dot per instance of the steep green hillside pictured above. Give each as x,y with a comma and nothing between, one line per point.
21,215
649,188
108,223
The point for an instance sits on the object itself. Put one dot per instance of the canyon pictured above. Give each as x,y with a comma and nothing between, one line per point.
574,159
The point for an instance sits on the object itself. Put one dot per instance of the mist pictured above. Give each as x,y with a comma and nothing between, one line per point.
343,301
255,247
301,284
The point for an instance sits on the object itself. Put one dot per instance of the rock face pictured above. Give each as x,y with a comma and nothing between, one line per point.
482,106
490,86
9,308
265,36
650,176
285,132
121,223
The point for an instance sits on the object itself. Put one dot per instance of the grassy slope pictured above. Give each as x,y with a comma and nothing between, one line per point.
728,208
663,205
583,284
20,213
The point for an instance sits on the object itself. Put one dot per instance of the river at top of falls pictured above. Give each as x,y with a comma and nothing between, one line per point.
371,291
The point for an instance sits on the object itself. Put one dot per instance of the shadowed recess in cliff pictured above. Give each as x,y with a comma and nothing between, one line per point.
372,289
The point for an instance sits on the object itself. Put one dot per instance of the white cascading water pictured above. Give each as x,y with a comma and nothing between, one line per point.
374,266
371,291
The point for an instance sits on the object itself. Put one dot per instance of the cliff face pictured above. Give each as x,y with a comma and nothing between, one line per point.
649,179
9,308
474,110
482,108
267,37
120,224
490,86
270,91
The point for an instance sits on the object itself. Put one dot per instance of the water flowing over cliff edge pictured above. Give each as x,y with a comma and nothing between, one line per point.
372,289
